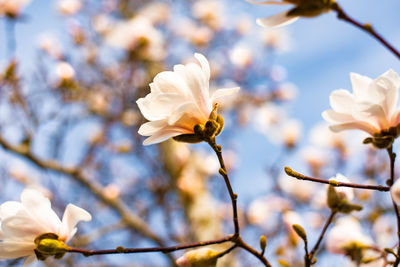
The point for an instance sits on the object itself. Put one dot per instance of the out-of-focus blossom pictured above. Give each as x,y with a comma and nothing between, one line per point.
22,222
301,190
261,210
320,135
138,35
69,7
178,101
209,12
50,45
289,218
244,25
395,191
65,71
101,23
303,8
267,116
241,56
202,257
384,231
346,192
285,92
197,35
290,132
156,12
372,107
130,117
277,39
12,8
314,157
346,235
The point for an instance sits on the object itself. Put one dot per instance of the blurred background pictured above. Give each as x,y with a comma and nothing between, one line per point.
72,70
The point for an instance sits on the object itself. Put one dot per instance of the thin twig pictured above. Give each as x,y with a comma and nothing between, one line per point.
321,236
332,182
392,158
122,250
365,27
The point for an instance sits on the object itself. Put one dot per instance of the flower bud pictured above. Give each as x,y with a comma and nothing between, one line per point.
203,257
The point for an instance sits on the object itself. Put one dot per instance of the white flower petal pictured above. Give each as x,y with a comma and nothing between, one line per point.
152,127
39,207
341,101
204,65
22,226
16,249
360,85
9,208
278,20
163,135
71,217
224,92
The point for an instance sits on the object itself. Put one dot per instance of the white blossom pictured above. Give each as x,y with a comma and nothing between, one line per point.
22,222
178,101
372,107
347,192
346,234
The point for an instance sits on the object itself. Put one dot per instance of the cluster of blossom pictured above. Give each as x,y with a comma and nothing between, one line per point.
182,106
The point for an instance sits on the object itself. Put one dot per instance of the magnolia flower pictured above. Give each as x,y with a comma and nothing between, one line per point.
303,8
372,107
22,222
178,101
65,71
346,235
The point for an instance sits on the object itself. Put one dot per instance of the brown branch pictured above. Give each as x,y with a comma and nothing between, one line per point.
321,236
392,158
128,216
122,250
300,176
365,27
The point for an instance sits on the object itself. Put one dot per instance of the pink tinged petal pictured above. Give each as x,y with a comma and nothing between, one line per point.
170,82
372,113
29,260
341,101
278,20
152,127
39,207
71,217
204,65
336,117
9,208
163,135
16,249
197,83
220,94
192,111
360,85
388,84
23,227
356,125
145,106
346,122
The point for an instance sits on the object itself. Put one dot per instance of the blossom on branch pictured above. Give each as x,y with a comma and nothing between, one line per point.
347,238
372,107
12,8
22,223
303,8
179,100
